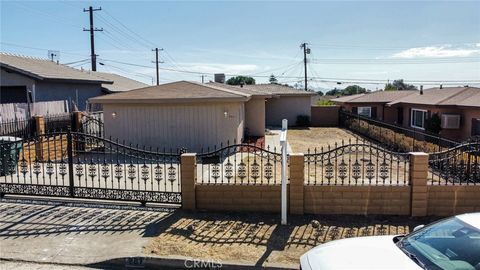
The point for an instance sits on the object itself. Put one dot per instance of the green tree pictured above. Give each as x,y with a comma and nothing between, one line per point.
320,93
238,80
272,79
399,85
334,92
353,89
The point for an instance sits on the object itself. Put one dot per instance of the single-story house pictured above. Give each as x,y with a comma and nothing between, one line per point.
280,102
457,107
191,115
175,115
26,79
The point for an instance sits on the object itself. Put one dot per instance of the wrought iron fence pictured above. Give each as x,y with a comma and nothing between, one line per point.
459,165
59,122
395,138
18,128
242,164
84,166
356,164
92,124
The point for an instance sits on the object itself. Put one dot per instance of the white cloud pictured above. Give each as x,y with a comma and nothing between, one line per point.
438,51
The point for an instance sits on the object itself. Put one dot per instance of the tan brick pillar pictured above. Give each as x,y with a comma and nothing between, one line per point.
77,116
40,129
418,183
39,124
188,173
297,175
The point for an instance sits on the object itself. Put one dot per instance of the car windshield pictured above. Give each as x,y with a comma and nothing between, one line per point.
447,244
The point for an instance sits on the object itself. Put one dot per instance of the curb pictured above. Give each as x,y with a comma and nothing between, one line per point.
170,262
180,262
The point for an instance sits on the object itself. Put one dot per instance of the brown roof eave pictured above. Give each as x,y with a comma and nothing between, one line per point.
101,100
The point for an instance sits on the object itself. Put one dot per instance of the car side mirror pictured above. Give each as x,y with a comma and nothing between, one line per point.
418,227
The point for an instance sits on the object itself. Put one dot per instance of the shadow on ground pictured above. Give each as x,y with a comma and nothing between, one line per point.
259,239
33,218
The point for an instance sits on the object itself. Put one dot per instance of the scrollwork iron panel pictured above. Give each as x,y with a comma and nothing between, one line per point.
82,165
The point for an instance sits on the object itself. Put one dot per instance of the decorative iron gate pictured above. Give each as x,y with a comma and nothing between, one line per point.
74,164
92,124
459,165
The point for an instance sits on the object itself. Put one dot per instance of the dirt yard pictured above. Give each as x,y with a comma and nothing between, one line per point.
301,140
259,239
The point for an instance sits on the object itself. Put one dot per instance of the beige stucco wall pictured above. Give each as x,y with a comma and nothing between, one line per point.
286,107
255,117
190,126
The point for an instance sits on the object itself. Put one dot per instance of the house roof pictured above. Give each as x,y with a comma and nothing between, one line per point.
344,99
120,83
266,90
43,69
278,89
175,92
375,97
447,96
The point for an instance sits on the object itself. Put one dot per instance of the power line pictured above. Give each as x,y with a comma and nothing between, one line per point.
300,77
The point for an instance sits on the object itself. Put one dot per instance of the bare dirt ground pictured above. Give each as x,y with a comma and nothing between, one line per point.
303,139
259,239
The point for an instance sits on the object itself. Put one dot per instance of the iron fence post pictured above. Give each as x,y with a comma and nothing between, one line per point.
70,162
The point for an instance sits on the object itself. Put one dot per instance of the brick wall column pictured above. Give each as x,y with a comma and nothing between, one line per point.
77,120
40,130
297,175
418,183
188,173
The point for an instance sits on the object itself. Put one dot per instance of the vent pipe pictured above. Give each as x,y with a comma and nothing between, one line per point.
421,89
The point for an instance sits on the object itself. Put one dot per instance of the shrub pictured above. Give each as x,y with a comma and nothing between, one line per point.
325,102
303,121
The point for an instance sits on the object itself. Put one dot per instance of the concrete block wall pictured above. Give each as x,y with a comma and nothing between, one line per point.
224,197
325,116
415,199
357,200
452,200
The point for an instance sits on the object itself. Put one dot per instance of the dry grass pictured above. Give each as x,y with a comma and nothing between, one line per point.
259,239
301,140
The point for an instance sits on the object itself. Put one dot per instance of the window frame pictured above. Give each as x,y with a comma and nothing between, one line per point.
412,117
365,107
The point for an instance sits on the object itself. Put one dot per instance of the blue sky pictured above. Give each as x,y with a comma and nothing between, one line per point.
416,41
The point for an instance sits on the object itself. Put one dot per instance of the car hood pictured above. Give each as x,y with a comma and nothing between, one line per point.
373,252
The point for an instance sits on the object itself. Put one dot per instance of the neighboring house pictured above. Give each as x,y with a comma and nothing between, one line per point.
26,79
280,101
194,115
373,104
457,107
120,83
175,115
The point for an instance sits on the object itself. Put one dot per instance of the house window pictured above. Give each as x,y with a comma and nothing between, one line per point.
476,127
418,118
365,111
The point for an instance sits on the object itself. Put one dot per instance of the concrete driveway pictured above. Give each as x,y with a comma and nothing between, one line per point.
74,232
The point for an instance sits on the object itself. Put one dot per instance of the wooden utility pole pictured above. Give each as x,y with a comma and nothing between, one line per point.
92,30
157,62
306,51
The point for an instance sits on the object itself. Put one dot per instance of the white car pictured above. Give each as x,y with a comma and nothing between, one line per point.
451,243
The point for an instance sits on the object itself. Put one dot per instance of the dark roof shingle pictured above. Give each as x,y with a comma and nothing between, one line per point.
43,69
181,91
